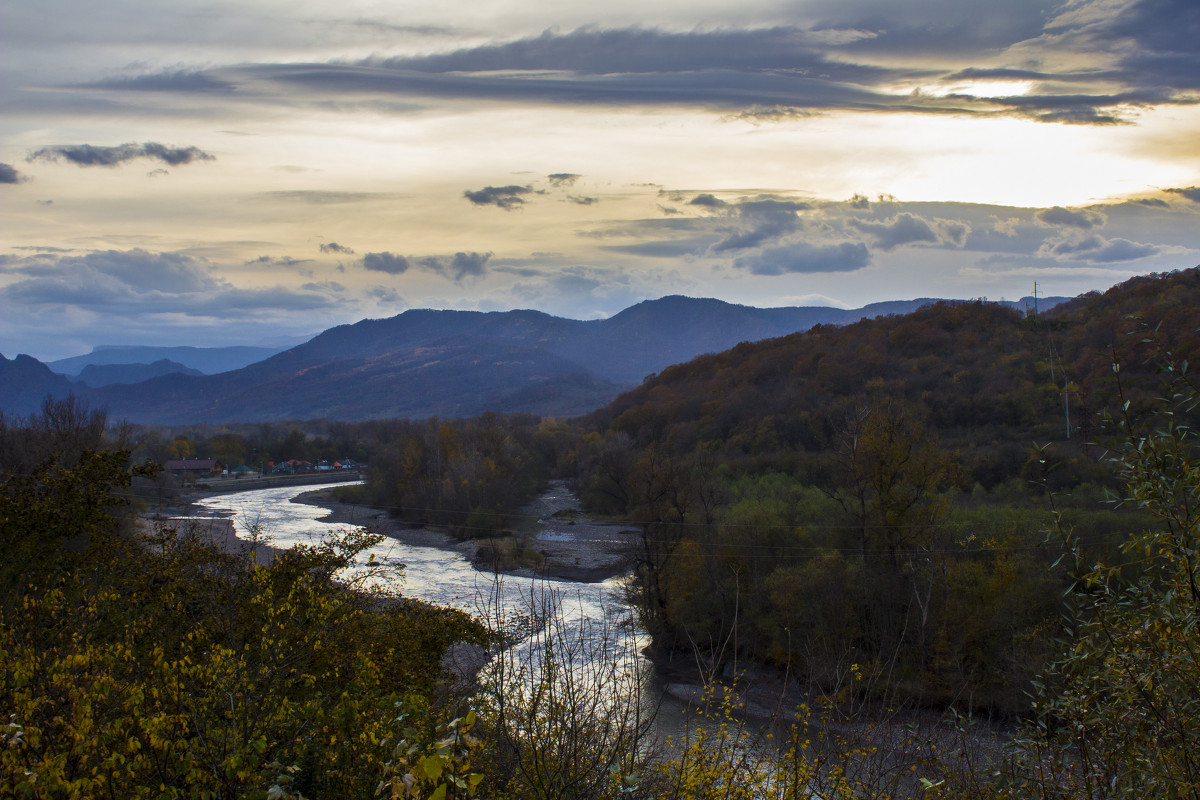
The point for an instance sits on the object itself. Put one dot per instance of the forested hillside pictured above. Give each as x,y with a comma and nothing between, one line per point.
877,494
987,380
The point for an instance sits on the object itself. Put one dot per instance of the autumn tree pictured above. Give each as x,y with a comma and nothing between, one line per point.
1118,714
137,665
889,475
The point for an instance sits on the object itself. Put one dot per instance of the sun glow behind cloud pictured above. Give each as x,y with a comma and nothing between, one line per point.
979,89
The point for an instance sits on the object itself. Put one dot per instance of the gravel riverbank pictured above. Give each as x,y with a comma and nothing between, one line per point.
215,530
572,546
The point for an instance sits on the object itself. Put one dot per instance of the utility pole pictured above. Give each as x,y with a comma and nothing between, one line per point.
1067,405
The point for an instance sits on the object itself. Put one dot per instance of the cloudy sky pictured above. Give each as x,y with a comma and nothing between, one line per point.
243,171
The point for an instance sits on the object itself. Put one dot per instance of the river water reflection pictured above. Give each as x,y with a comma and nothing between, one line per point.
590,613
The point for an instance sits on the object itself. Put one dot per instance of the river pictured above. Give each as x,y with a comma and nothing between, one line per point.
589,620
435,575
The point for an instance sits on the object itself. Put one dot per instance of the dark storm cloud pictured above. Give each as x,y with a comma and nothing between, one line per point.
387,262
1120,58
8,174
137,283
1114,250
1191,193
1078,115
1165,33
953,26
1072,246
1096,249
1083,219
1153,41
1156,61
760,233
764,68
371,83
458,267
1085,109
563,179
334,247
899,230
86,155
597,51
707,201
506,197
143,271
738,225
803,257
759,221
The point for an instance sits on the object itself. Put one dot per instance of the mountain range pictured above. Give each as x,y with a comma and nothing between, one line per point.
107,374
206,360
427,362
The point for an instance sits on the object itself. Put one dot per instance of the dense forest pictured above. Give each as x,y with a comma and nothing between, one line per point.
962,510
880,494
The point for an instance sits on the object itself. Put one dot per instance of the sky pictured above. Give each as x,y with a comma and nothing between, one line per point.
255,171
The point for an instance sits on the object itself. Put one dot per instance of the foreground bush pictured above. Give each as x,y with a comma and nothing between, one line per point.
167,668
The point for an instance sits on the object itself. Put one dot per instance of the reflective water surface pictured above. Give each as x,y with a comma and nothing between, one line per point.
589,613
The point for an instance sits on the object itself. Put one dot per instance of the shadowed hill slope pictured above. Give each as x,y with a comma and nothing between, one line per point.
460,363
987,380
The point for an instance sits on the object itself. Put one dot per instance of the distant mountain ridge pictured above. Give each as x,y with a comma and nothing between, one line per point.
25,382
105,374
207,360
427,362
